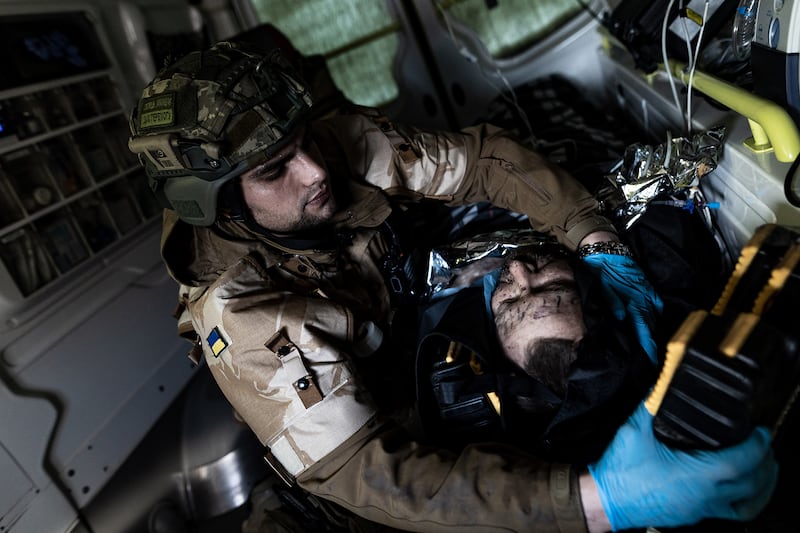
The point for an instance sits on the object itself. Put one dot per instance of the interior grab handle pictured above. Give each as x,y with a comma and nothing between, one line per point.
772,127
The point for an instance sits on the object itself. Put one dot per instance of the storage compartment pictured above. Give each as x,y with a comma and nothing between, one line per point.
121,202
26,260
30,178
69,186
56,108
62,239
96,151
66,166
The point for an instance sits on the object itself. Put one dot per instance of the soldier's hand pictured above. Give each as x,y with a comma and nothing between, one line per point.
642,482
629,295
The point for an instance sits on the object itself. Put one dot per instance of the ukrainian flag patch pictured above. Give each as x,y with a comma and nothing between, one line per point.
216,342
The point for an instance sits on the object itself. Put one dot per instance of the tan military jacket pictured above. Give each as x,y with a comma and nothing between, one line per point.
277,328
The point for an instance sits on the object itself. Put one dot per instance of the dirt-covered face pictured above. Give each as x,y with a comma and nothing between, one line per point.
291,191
536,298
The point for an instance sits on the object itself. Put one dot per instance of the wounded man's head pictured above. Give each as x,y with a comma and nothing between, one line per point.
538,315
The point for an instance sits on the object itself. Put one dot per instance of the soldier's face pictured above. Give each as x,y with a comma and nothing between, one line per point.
536,299
291,191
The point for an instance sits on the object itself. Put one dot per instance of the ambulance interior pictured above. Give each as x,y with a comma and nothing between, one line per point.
106,424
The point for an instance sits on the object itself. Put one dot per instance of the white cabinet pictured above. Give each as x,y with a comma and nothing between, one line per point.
69,188
89,354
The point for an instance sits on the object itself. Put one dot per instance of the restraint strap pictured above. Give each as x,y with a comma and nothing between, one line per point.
300,377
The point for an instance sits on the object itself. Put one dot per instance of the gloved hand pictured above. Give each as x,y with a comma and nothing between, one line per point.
642,482
630,294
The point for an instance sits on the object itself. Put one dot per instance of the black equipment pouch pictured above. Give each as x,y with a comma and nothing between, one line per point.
463,393
402,264
402,275
457,396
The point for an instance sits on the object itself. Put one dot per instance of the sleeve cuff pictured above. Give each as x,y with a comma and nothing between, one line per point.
565,495
583,228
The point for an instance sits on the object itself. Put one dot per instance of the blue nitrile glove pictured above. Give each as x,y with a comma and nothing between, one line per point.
642,482
630,294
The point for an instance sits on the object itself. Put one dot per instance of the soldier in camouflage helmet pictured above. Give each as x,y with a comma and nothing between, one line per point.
210,117
280,232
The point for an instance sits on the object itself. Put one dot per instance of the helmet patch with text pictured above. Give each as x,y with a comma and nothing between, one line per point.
158,111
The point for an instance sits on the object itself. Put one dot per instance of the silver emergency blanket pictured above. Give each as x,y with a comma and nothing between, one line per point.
462,262
648,171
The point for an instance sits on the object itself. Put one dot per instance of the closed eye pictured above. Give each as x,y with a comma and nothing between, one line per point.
268,174
507,302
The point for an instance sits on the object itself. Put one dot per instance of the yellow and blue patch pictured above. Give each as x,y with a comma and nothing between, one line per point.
216,342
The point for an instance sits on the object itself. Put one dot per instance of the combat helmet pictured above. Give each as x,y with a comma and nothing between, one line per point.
209,117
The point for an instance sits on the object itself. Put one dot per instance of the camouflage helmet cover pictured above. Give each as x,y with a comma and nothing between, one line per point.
209,117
